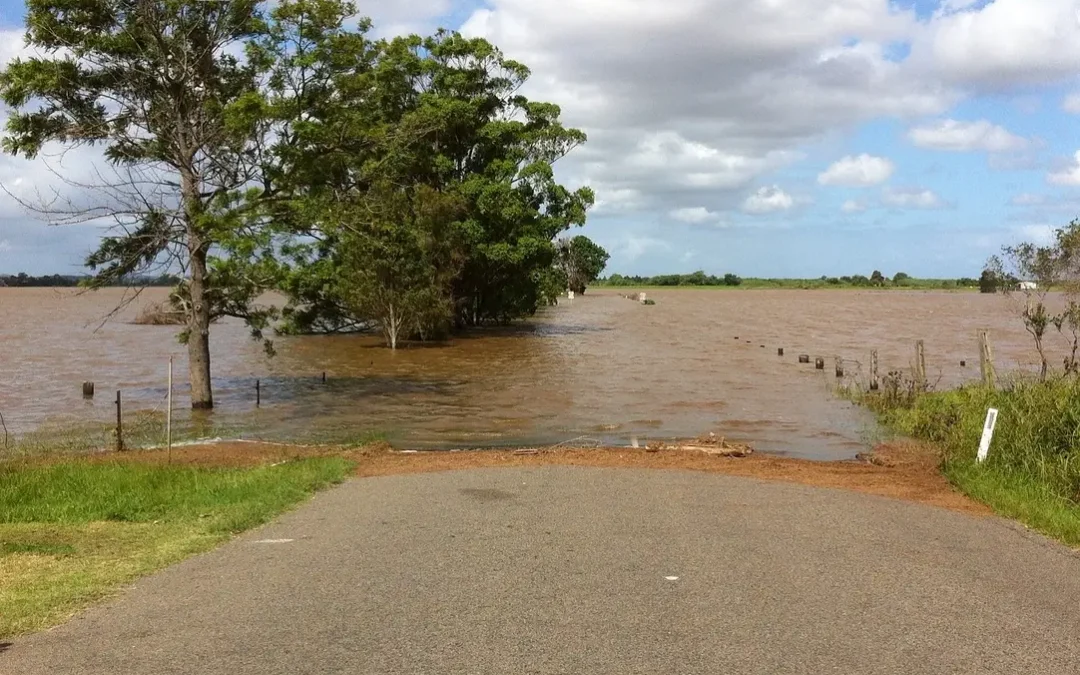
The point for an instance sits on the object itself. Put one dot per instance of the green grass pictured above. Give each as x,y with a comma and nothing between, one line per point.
1032,473
74,532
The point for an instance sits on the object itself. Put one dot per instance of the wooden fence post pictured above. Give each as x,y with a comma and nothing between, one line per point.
920,364
119,423
986,359
873,370
258,394
839,367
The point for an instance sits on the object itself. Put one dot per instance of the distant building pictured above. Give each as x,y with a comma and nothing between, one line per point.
1028,286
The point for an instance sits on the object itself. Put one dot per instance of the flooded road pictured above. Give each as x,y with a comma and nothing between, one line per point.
600,366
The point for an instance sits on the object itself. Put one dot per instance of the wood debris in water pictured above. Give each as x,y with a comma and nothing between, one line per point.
710,445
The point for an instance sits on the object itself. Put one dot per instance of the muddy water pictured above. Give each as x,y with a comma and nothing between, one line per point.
599,366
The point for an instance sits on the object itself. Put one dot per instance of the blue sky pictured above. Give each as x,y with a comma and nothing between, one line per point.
766,137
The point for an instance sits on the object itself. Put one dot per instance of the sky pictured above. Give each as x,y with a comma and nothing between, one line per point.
778,138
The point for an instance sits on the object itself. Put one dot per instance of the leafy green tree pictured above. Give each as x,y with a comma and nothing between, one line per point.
155,85
989,281
877,278
581,261
400,257
731,280
901,278
449,107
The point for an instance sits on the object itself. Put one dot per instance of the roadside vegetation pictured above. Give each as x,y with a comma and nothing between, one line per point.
74,531
1032,472
876,280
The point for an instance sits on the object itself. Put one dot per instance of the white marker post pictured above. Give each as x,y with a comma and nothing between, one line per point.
987,434
168,415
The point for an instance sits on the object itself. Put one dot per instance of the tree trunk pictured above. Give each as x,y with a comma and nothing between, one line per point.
198,319
202,397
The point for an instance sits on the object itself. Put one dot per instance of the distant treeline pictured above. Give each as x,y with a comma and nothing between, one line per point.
875,280
23,280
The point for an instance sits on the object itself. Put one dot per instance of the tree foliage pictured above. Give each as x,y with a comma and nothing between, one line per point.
581,261
1033,271
443,112
156,87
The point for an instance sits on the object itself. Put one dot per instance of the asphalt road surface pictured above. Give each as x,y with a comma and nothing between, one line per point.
581,571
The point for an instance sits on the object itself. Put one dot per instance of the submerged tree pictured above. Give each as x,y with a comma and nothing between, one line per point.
444,112
581,261
216,168
399,259
153,84
1033,271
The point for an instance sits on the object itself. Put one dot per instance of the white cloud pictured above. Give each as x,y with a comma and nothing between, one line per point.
768,200
1071,103
958,136
912,198
1068,174
695,215
735,89
1027,199
852,206
857,171
633,247
1003,43
693,164
403,17
1038,234
615,199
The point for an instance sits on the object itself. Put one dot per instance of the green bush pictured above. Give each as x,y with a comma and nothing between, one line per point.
1033,470
1037,432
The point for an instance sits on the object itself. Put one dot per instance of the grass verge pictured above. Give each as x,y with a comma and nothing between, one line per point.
76,531
1032,473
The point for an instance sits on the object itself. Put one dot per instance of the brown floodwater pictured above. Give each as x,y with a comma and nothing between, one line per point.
601,367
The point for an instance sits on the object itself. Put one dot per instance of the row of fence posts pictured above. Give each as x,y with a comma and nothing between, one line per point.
986,362
986,366
88,392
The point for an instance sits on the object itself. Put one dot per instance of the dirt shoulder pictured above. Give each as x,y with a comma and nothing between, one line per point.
904,470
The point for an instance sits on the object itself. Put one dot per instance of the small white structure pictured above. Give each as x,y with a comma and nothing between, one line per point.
987,435
570,294
1028,286
641,298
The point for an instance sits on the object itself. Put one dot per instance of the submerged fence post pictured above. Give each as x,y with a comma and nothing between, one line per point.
119,423
839,366
920,364
986,359
819,363
88,389
168,416
873,370
258,394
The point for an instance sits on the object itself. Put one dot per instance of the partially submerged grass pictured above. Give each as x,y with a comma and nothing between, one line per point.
1032,473
75,531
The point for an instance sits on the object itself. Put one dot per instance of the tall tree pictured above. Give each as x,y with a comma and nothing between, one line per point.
582,260
154,84
448,108
214,149
399,258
